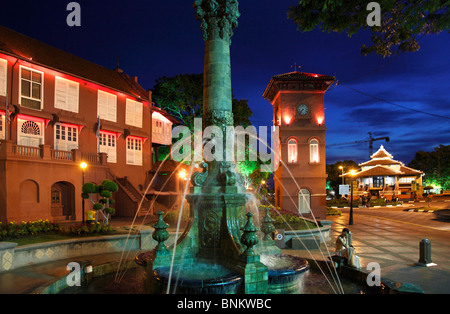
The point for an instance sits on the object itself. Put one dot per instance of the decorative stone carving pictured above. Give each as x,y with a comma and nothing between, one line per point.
199,178
218,17
226,177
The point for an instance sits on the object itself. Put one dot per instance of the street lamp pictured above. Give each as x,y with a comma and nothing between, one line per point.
83,166
342,173
352,173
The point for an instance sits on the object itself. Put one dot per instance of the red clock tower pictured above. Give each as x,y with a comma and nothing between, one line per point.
298,109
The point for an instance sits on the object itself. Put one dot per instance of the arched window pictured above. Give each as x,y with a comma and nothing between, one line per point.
314,151
304,201
292,151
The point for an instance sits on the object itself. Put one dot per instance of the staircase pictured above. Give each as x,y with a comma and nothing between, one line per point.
129,199
135,196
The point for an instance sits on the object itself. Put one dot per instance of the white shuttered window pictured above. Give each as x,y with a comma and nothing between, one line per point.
3,73
107,106
66,94
133,114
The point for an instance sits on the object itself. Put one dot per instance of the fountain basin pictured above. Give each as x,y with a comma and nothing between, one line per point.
207,278
197,278
284,272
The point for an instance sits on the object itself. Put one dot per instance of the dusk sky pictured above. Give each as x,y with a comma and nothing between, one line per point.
163,38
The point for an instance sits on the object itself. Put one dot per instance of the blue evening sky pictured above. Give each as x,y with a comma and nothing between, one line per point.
163,38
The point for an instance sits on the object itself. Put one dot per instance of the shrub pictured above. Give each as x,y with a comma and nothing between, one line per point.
94,228
13,230
285,219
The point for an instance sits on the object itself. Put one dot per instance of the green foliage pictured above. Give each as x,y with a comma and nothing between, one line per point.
104,192
333,212
435,165
89,188
14,230
402,22
94,228
333,172
110,186
110,210
182,96
97,206
285,219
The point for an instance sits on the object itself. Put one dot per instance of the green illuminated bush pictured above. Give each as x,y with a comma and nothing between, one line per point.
104,194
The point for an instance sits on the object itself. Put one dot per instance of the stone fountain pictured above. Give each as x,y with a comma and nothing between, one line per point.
220,235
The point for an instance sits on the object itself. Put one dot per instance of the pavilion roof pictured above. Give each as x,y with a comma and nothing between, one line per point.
380,162
382,153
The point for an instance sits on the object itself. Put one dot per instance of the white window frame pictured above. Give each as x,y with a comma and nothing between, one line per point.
304,201
107,106
158,126
3,76
2,125
66,136
314,156
24,139
134,151
134,113
66,94
292,151
107,143
41,100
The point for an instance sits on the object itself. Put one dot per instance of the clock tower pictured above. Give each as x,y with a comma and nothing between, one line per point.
298,109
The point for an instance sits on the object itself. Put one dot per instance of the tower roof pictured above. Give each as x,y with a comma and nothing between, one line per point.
302,76
297,81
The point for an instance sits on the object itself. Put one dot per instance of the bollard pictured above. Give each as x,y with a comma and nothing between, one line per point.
425,254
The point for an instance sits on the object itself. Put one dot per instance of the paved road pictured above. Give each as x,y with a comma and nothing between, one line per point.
401,214
390,236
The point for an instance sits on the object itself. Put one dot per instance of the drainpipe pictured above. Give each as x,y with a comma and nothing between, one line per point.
7,117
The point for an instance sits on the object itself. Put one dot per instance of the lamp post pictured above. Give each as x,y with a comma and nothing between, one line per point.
83,166
342,173
352,173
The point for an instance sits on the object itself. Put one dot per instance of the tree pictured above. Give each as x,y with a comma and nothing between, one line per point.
104,195
435,165
402,23
182,96
333,172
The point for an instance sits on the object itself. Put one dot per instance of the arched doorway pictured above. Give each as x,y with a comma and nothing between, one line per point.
304,201
63,201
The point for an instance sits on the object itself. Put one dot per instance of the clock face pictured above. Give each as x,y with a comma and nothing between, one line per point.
303,109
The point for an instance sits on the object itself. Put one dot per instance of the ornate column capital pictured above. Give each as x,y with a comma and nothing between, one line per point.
218,17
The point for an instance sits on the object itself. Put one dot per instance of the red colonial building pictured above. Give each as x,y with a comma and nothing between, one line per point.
298,109
58,110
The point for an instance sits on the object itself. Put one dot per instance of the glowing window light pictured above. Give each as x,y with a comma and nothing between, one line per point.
314,151
292,151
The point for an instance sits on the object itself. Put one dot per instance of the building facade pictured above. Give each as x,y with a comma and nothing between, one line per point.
384,177
57,111
298,109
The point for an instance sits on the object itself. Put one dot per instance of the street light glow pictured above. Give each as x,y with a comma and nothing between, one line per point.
83,165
